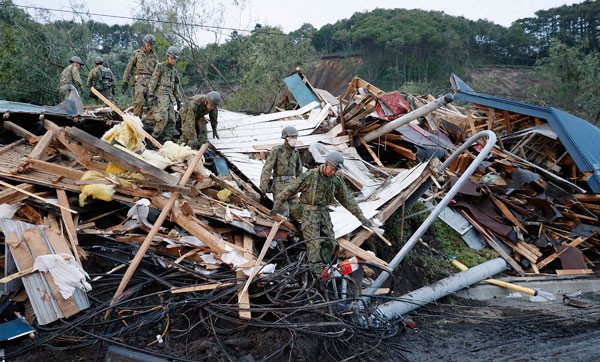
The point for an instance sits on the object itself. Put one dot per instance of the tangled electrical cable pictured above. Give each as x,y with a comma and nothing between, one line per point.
149,318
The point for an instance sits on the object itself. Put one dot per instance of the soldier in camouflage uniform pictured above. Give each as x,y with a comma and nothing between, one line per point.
101,78
285,165
141,65
70,77
318,188
163,94
193,122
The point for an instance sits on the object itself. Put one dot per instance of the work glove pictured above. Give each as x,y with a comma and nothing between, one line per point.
195,145
151,101
365,222
179,105
215,134
124,86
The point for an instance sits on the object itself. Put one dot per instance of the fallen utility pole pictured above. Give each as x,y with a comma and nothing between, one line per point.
420,297
419,112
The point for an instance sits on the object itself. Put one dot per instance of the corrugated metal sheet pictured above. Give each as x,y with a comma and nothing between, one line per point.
299,90
45,307
243,135
18,107
578,136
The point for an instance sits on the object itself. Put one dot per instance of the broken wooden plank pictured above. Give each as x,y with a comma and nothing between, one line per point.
11,195
119,157
122,114
373,155
555,255
257,267
161,218
21,132
243,298
40,147
363,254
36,196
69,224
199,288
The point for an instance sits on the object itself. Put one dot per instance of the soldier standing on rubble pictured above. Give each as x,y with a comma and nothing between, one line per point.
318,188
141,65
193,122
70,77
285,165
163,94
101,78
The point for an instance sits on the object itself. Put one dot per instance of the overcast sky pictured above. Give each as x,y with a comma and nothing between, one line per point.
289,15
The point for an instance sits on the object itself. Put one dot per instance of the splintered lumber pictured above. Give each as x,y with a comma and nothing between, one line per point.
69,224
119,157
40,147
257,267
36,196
161,218
199,288
555,255
492,242
244,298
373,155
122,114
363,254
12,195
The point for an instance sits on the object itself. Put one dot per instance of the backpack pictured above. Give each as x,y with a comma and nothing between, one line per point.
107,78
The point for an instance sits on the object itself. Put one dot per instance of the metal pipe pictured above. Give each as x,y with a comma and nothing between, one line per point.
419,112
438,209
420,297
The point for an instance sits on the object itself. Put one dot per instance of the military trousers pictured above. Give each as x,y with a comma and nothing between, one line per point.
164,116
317,230
140,94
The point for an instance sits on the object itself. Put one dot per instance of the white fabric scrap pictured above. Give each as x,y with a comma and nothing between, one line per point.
266,269
241,213
140,212
233,258
209,259
192,240
7,211
65,271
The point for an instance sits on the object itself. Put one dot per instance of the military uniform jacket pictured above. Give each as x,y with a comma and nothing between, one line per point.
70,75
197,106
165,82
318,190
283,160
140,63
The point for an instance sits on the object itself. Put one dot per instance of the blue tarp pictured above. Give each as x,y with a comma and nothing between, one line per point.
301,92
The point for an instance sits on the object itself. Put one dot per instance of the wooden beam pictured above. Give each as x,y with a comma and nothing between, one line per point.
122,114
21,132
36,196
11,195
161,218
243,298
40,147
119,157
373,155
69,224
257,267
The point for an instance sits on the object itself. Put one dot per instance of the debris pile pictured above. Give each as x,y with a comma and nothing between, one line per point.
152,246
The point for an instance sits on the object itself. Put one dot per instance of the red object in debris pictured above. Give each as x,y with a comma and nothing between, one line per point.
409,323
342,268
395,103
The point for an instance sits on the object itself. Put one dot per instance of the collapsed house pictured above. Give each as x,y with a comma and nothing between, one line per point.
81,190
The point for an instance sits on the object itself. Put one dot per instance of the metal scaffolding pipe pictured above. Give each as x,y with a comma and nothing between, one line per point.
420,297
438,209
419,112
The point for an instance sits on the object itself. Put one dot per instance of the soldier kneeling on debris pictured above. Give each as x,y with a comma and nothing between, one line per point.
193,120
318,188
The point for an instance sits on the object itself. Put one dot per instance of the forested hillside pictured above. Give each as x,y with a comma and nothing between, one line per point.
394,49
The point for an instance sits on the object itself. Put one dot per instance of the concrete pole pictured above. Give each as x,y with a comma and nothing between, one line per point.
407,303
419,112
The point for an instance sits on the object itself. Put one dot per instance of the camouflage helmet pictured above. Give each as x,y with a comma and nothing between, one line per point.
335,159
75,59
289,131
173,52
214,98
99,60
150,39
